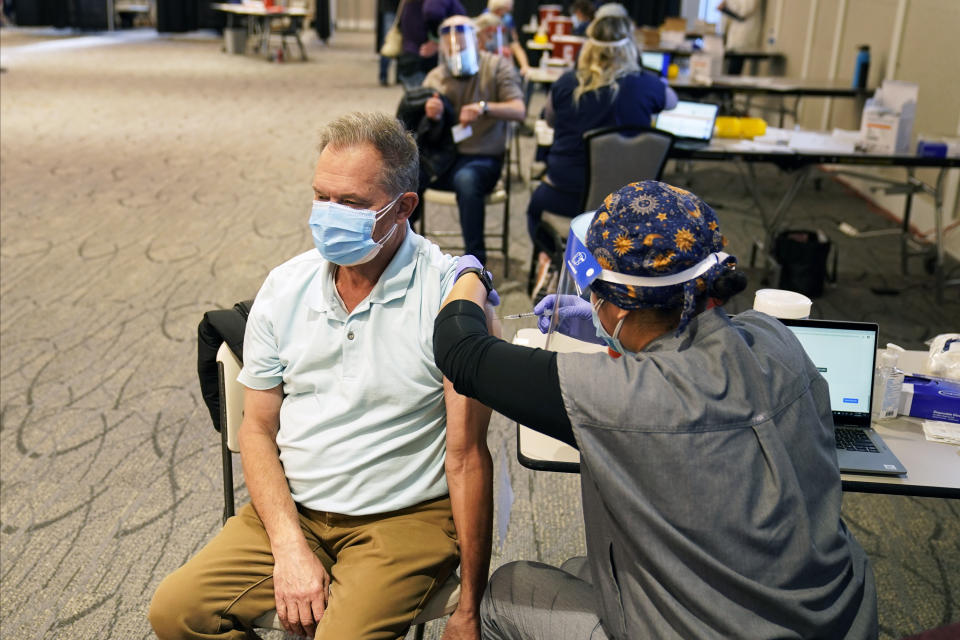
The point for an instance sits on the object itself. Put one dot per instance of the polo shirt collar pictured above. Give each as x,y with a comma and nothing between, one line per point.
393,283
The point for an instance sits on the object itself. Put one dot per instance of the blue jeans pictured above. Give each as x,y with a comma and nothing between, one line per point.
547,197
386,22
472,178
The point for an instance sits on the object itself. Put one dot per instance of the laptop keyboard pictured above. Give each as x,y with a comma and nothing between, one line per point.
854,440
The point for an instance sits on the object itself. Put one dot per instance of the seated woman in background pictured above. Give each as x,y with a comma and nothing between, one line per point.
607,89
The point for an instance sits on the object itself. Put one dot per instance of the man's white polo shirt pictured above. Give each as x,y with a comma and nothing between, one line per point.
362,425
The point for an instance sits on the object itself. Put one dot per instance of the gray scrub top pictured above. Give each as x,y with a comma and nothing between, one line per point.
711,492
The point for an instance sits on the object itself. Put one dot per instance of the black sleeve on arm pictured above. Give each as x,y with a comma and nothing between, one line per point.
519,382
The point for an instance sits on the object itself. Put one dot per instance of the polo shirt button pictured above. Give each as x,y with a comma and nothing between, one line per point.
350,335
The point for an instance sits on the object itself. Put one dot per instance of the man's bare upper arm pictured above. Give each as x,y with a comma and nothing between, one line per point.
261,410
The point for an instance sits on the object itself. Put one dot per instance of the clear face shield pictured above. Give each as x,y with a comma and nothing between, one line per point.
579,269
458,50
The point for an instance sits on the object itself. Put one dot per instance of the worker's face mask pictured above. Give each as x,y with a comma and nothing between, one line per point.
458,48
344,235
612,341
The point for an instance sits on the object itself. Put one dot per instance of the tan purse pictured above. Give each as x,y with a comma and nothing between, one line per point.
393,41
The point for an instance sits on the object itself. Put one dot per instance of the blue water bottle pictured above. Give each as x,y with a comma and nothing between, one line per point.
861,68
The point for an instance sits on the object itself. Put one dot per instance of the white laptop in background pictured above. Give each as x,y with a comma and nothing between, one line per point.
844,353
690,122
655,61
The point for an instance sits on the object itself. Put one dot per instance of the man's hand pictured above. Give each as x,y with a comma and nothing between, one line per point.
300,586
434,107
428,49
469,113
462,627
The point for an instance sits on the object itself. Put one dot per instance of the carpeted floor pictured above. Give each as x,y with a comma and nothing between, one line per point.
145,180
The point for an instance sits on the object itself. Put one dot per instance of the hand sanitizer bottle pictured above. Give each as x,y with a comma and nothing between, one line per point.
887,382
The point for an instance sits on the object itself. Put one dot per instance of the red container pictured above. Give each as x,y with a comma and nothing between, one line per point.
559,26
567,47
548,10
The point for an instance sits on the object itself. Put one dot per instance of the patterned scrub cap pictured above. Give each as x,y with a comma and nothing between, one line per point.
652,229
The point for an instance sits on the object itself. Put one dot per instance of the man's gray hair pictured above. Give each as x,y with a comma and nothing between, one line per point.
400,170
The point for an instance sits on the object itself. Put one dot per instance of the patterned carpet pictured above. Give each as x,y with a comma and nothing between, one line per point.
145,180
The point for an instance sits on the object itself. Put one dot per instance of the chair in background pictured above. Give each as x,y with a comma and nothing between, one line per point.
616,156
443,602
499,195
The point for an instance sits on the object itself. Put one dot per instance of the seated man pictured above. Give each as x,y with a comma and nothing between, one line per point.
348,427
485,92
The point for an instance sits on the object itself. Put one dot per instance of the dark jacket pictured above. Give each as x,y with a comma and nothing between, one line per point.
216,327
434,140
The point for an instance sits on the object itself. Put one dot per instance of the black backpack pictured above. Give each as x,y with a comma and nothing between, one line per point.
434,140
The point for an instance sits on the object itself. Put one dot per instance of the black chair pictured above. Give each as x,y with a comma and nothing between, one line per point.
616,156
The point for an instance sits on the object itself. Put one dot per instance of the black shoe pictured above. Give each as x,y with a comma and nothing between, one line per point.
384,83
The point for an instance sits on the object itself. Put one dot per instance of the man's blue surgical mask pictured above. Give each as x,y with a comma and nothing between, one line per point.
612,341
343,235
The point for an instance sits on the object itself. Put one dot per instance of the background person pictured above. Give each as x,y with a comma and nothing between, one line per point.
369,477
743,33
504,10
386,14
607,88
419,24
711,492
484,91
582,13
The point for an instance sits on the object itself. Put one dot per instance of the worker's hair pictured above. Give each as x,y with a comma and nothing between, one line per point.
486,20
400,164
609,53
495,5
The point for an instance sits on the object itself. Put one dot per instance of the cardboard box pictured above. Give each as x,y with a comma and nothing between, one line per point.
674,24
930,398
886,125
704,67
649,37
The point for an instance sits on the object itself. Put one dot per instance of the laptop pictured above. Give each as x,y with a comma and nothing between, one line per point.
691,123
844,353
656,61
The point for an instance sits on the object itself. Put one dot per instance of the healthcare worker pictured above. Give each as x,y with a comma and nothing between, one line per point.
711,493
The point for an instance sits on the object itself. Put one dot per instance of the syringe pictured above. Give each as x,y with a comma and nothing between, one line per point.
529,314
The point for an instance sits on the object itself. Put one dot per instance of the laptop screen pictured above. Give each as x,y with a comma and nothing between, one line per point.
655,61
844,354
689,120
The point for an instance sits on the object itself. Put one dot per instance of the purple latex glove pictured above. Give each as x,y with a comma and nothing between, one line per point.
470,262
574,317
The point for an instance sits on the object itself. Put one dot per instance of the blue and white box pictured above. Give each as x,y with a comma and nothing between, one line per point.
930,398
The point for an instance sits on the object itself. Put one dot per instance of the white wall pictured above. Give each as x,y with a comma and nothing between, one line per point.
354,15
912,40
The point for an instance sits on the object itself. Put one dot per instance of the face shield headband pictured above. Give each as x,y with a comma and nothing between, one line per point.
622,42
636,292
458,50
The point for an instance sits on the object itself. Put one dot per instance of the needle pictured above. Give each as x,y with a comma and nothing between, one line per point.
528,314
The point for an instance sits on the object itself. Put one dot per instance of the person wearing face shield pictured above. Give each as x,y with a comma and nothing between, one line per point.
503,9
419,24
485,93
711,493
608,88
369,477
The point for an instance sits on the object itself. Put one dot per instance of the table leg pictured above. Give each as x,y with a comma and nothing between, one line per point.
773,220
905,224
938,227
265,36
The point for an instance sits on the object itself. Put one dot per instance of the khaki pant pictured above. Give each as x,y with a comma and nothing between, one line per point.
383,569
